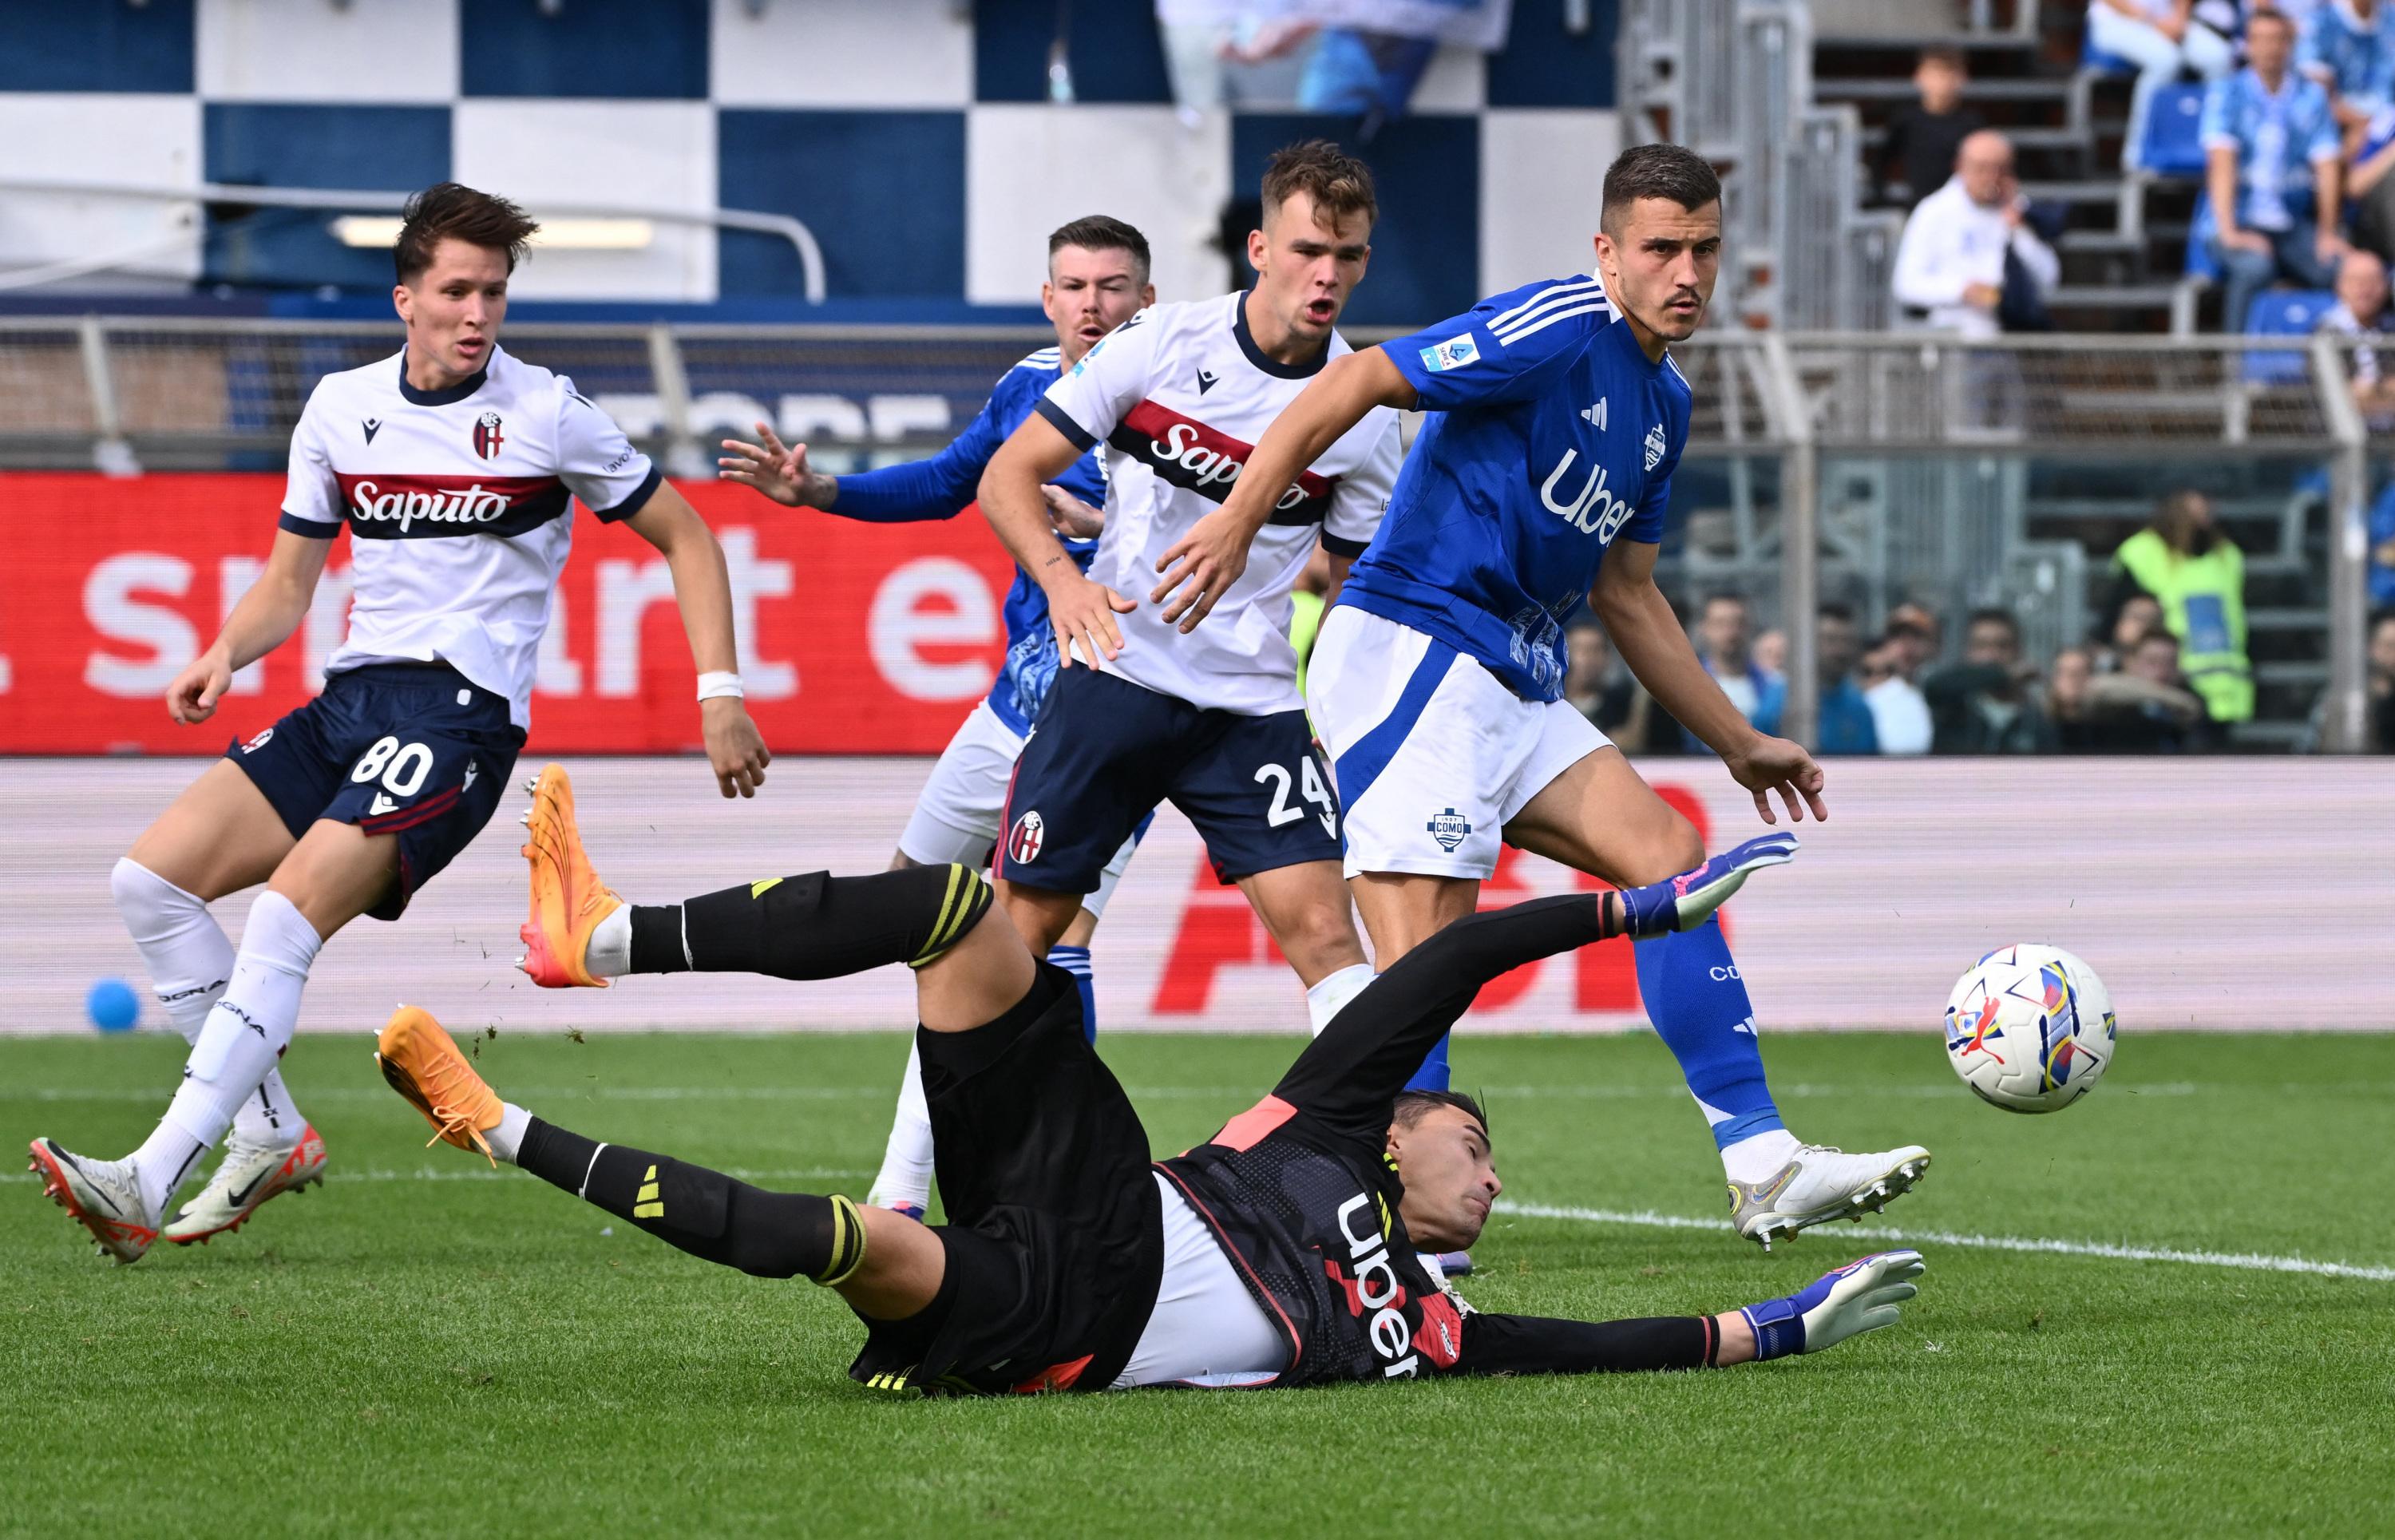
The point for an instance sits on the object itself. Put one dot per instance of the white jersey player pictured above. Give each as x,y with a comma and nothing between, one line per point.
454,468
1177,397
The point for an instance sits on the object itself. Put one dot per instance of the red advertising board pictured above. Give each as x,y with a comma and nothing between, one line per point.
854,638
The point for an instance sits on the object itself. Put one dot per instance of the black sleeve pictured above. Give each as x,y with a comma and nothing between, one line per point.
1534,1345
1347,1078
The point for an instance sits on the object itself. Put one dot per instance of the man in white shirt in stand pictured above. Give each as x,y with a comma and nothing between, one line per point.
1969,262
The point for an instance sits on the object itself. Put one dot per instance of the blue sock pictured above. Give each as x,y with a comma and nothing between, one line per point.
1076,961
1433,1075
1698,1005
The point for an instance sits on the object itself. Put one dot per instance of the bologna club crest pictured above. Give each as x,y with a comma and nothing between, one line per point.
1024,841
486,435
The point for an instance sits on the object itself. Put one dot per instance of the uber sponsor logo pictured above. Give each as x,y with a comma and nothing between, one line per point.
1594,510
1377,1289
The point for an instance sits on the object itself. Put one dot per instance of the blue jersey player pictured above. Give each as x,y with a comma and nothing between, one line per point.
1097,279
1557,418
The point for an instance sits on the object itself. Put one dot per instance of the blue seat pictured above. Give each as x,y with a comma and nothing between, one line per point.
2093,58
2283,313
2172,146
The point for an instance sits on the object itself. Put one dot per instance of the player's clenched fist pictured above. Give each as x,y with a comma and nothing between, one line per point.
192,696
734,746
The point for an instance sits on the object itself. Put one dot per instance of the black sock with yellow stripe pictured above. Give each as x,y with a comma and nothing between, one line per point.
703,1213
814,926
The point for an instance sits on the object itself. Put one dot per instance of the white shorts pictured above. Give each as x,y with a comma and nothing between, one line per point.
1433,755
956,817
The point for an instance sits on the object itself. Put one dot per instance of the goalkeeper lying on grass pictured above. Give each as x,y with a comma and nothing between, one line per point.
1280,1252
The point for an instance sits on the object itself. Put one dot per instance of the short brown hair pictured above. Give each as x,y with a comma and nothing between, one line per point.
1657,171
449,211
1337,181
1101,232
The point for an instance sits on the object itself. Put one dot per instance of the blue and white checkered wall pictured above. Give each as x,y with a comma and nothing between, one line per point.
914,137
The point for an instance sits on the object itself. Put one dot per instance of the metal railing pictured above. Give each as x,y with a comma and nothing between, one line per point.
358,201
1860,456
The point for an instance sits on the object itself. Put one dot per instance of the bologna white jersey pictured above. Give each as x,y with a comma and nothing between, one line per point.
1179,394
458,502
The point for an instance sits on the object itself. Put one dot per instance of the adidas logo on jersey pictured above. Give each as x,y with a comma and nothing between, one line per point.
1595,415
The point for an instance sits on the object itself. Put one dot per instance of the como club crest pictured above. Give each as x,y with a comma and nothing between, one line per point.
1022,842
486,435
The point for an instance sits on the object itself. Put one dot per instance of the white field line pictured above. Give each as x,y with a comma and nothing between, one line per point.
2252,1261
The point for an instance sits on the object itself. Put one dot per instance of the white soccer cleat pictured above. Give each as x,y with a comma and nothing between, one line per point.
1823,1182
104,1197
244,1179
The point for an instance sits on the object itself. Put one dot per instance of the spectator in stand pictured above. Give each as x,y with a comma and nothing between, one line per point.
1609,698
2145,709
1846,721
1924,136
2134,612
2272,154
2382,548
1770,652
1969,260
1725,645
1889,671
2380,721
2198,576
2349,48
2369,190
2161,37
2360,322
1983,705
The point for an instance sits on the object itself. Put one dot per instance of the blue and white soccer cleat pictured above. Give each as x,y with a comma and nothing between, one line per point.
1689,900
1861,1297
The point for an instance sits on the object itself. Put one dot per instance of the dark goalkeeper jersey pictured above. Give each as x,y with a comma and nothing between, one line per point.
1304,1199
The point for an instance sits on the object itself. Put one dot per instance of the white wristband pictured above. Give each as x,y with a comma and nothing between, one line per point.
720,684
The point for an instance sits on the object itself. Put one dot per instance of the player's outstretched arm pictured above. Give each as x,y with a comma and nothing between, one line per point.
777,471
703,591
1204,564
1861,1296
1012,499
266,616
1647,635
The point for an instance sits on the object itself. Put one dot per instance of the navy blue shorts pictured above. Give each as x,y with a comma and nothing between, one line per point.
1105,751
413,749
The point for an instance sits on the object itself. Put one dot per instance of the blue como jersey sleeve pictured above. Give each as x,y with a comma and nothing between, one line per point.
1550,435
944,486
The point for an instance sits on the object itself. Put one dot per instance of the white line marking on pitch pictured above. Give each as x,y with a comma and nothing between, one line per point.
2253,1261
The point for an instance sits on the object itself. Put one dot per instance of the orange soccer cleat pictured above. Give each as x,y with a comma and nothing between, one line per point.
422,1063
568,899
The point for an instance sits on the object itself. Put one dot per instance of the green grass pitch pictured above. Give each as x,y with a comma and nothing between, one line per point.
423,1346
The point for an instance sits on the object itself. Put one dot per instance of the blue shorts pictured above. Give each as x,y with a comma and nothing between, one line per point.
411,750
1105,751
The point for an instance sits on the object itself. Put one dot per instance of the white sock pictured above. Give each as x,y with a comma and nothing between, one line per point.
245,1033
1754,1158
906,1175
507,1137
267,1116
187,954
610,954
1329,995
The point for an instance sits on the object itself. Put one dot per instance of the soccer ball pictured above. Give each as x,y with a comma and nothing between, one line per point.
2029,1029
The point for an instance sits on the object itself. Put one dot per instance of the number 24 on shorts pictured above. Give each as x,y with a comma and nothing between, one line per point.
1309,781
402,770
